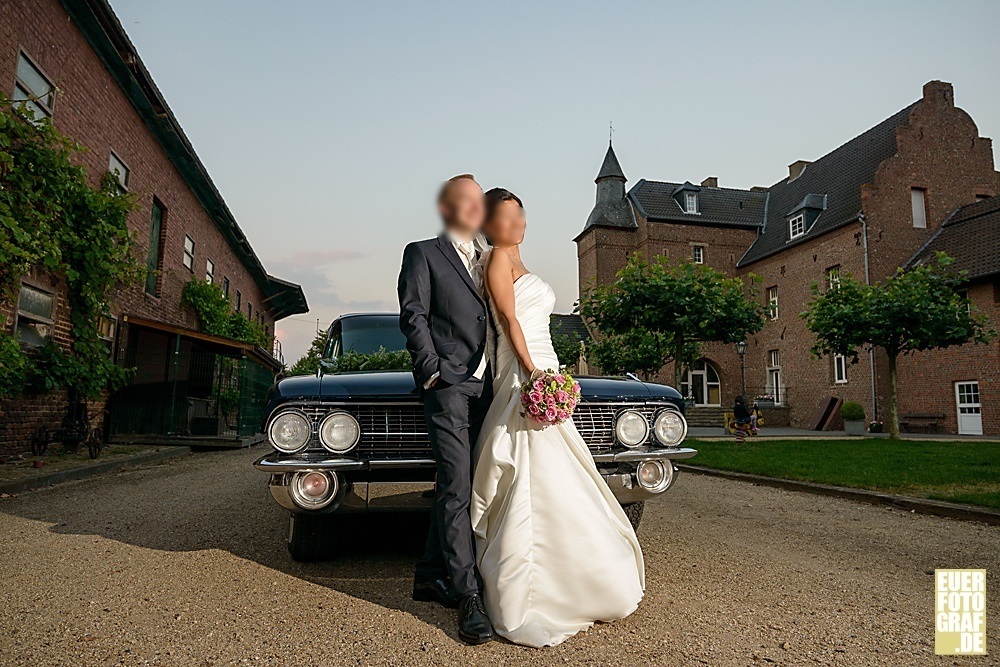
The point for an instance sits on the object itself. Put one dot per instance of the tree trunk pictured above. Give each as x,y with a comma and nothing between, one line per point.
893,407
678,362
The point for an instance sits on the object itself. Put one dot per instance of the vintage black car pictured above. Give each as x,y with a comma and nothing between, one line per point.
357,441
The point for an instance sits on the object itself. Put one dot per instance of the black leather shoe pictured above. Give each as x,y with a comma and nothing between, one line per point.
473,624
438,591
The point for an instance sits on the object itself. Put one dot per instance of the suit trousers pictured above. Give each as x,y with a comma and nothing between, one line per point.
454,415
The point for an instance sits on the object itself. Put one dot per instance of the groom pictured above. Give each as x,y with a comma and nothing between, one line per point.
443,316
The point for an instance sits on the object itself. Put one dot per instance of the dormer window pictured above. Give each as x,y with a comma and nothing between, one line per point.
690,202
796,226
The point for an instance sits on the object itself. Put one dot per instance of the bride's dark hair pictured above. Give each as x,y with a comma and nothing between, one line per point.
497,196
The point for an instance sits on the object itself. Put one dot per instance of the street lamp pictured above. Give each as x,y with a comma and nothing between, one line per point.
741,349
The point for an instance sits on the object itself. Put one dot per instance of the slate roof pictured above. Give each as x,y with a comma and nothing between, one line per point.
611,214
610,167
569,325
839,175
970,235
725,207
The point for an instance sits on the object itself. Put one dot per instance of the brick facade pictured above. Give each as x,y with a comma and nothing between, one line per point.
93,109
938,150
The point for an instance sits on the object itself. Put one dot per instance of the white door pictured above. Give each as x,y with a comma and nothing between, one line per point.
970,410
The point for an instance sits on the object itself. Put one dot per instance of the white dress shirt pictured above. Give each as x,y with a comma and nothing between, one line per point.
467,253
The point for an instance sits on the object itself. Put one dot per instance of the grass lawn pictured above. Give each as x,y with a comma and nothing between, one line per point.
961,472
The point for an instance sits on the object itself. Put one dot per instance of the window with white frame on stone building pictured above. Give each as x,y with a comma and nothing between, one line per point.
774,385
839,369
833,277
690,202
918,201
796,226
33,88
209,271
698,254
36,312
772,302
189,252
120,171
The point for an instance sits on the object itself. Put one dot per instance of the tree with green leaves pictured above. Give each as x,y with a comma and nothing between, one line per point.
568,345
308,363
914,310
661,311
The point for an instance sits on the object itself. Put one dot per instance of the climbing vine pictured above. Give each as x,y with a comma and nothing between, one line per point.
52,218
217,317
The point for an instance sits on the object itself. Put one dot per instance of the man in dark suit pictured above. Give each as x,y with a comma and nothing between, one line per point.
443,315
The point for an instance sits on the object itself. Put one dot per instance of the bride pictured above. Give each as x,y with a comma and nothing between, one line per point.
555,550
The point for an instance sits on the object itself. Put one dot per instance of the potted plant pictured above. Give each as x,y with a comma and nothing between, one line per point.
764,400
875,426
854,417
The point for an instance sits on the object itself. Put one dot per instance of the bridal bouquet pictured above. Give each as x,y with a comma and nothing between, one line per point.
550,398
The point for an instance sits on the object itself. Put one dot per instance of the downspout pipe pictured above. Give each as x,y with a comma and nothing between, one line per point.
868,281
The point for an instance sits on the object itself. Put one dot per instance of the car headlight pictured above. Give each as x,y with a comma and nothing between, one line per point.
670,428
631,428
289,432
655,476
339,432
313,490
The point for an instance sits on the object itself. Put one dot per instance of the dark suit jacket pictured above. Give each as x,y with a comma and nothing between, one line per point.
441,312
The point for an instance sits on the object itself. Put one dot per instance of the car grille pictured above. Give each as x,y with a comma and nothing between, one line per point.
390,430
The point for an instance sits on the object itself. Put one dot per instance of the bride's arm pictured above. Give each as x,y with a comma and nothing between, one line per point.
500,284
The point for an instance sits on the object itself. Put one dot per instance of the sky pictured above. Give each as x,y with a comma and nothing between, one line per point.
328,126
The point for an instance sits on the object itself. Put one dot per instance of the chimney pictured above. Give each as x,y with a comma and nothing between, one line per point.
796,168
937,92
710,182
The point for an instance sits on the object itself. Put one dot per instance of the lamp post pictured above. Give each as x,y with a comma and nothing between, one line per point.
741,349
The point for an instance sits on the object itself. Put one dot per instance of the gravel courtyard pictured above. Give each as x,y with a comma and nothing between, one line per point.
184,564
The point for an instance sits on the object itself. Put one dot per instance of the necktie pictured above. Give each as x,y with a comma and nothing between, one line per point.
468,249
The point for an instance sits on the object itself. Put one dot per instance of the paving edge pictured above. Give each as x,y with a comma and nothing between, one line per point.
922,505
73,474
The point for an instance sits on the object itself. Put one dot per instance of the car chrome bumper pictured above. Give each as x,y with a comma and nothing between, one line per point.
362,496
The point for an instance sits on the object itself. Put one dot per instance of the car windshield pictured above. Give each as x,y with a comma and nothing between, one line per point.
365,335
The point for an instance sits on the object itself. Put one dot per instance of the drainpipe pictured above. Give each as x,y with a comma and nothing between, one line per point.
868,281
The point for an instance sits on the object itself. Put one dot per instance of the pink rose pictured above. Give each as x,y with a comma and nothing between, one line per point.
535,410
539,385
550,414
571,403
561,379
562,396
535,396
563,415
576,387
550,399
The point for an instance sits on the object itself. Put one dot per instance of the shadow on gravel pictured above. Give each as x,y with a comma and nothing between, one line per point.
217,500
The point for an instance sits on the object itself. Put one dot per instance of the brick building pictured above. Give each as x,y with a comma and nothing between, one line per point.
900,190
75,60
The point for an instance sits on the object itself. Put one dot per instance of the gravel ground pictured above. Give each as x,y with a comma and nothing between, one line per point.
184,564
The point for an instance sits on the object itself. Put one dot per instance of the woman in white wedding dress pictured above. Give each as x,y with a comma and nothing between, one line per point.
555,550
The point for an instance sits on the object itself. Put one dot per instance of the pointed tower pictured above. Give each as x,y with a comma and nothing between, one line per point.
609,235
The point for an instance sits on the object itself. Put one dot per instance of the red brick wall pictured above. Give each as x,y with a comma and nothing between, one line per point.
91,108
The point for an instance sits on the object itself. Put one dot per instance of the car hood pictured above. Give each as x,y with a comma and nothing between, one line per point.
400,385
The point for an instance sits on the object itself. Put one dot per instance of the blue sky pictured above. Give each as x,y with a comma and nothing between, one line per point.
329,125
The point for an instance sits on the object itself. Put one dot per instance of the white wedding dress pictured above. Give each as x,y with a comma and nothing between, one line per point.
555,550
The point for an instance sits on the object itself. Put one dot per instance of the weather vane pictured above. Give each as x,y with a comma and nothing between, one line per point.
611,132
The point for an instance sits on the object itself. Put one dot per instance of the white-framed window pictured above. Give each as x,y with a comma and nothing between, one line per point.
209,271
772,302
918,201
774,385
121,171
839,369
690,202
796,226
36,312
32,87
189,252
833,277
698,254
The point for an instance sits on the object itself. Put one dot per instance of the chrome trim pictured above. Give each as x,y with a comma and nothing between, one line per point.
666,475
645,453
305,503
277,464
319,431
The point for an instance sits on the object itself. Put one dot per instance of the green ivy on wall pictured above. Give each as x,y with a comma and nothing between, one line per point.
51,218
217,317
